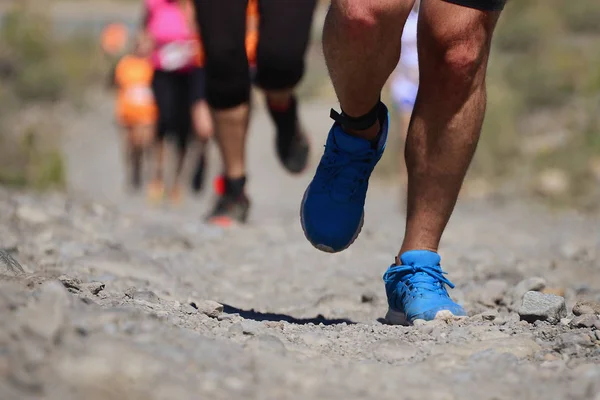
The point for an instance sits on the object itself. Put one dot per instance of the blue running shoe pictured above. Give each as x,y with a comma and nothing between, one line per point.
332,211
417,289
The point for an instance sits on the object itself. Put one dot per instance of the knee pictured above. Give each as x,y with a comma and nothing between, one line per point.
227,78
463,60
358,17
279,69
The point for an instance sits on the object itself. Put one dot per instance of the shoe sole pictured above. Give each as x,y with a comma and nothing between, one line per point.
398,318
324,247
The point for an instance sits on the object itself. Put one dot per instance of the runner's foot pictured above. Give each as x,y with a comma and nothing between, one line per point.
292,144
417,289
232,205
155,191
332,210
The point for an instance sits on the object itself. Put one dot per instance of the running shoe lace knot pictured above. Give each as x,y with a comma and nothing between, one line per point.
418,278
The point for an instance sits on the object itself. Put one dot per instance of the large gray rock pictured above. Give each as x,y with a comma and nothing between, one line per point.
538,306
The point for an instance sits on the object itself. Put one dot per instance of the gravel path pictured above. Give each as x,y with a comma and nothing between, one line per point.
120,301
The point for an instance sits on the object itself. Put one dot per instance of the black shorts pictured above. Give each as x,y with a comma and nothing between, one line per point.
484,5
175,94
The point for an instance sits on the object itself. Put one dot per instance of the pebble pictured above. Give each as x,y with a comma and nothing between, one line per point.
94,287
208,307
9,266
247,327
188,309
368,297
533,284
266,342
584,321
575,338
72,284
586,307
32,215
545,307
146,295
597,333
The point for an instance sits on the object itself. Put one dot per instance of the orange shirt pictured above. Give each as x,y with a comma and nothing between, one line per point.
135,101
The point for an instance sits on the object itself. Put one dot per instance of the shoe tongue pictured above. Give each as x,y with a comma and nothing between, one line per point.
350,143
420,258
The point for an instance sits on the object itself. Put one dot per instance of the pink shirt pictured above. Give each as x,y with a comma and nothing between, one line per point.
173,37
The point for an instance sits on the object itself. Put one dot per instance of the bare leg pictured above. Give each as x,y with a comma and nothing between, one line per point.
204,129
454,44
356,33
232,126
157,185
403,123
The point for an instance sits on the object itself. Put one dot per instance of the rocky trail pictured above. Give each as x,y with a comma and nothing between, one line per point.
116,300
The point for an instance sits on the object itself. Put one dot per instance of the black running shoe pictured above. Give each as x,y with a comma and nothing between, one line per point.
291,142
293,149
230,210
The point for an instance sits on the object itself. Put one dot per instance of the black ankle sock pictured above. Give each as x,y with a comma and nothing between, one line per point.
235,187
285,119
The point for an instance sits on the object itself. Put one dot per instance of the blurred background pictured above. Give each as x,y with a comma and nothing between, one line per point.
541,139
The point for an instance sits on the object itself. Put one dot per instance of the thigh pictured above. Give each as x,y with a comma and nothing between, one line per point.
283,28
223,29
165,94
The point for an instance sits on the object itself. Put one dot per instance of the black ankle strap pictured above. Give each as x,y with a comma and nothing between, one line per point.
357,124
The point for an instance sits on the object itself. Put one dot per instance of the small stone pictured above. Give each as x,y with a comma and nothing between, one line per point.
545,307
247,327
225,317
146,295
586,307
207,307
130,291
73,285
489,315
94,287
32,215
188,309
597,333
419,322
584,321
9,266
552,357
565,321
368,297
534,284
236,329
261,343
573,338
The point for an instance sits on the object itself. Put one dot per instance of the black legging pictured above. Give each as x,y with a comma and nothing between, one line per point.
284,34
175,94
